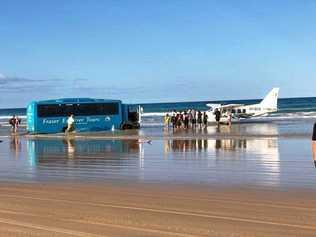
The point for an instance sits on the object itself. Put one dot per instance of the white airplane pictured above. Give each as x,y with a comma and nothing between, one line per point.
240,112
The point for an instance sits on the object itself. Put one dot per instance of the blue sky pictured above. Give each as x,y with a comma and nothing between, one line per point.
152,51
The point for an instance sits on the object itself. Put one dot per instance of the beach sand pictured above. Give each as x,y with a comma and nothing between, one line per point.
252,180
125,209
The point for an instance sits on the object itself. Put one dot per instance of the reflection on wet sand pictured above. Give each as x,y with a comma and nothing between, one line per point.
70,148
185,145
192,159
267,129
15,145
100,158
228,159
265,152
84,160
259,146
265,149
236,131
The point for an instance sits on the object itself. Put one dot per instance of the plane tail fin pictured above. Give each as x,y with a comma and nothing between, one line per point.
271,99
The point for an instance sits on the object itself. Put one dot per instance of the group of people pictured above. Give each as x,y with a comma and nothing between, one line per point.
190,119
186,119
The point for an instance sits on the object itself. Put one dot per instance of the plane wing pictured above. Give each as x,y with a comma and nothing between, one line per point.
220,106
214,105
231,106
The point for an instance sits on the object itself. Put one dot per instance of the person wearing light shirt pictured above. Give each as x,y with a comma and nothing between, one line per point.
70,123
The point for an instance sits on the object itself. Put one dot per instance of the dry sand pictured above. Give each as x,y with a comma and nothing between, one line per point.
124,209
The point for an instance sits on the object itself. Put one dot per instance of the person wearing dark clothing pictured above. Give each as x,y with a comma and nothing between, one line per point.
173,121
199,119
186,120
193,119
181,119
217,116
205,117
178,119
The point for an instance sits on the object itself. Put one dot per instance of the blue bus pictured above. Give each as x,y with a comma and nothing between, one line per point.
50,116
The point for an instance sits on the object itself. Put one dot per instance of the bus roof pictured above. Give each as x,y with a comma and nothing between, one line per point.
76,100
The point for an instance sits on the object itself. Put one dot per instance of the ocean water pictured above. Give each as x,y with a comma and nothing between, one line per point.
289,109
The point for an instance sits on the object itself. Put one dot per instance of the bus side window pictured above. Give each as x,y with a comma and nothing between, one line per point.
238,111
68,109
233,111
244,111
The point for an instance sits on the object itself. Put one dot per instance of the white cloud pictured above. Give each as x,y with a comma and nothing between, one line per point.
2,76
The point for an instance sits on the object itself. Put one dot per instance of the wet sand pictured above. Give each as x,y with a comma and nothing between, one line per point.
252,180
125,209
279,129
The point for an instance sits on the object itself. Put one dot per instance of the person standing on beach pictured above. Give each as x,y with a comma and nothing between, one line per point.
181,125
167,121
173,120
193,114
190,117
14,122
229,118
186,120
199,119
70,123
314,144
217,116
178,122
205,117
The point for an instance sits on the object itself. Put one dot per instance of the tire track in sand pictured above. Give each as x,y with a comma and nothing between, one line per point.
183,213
48,228
79,233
